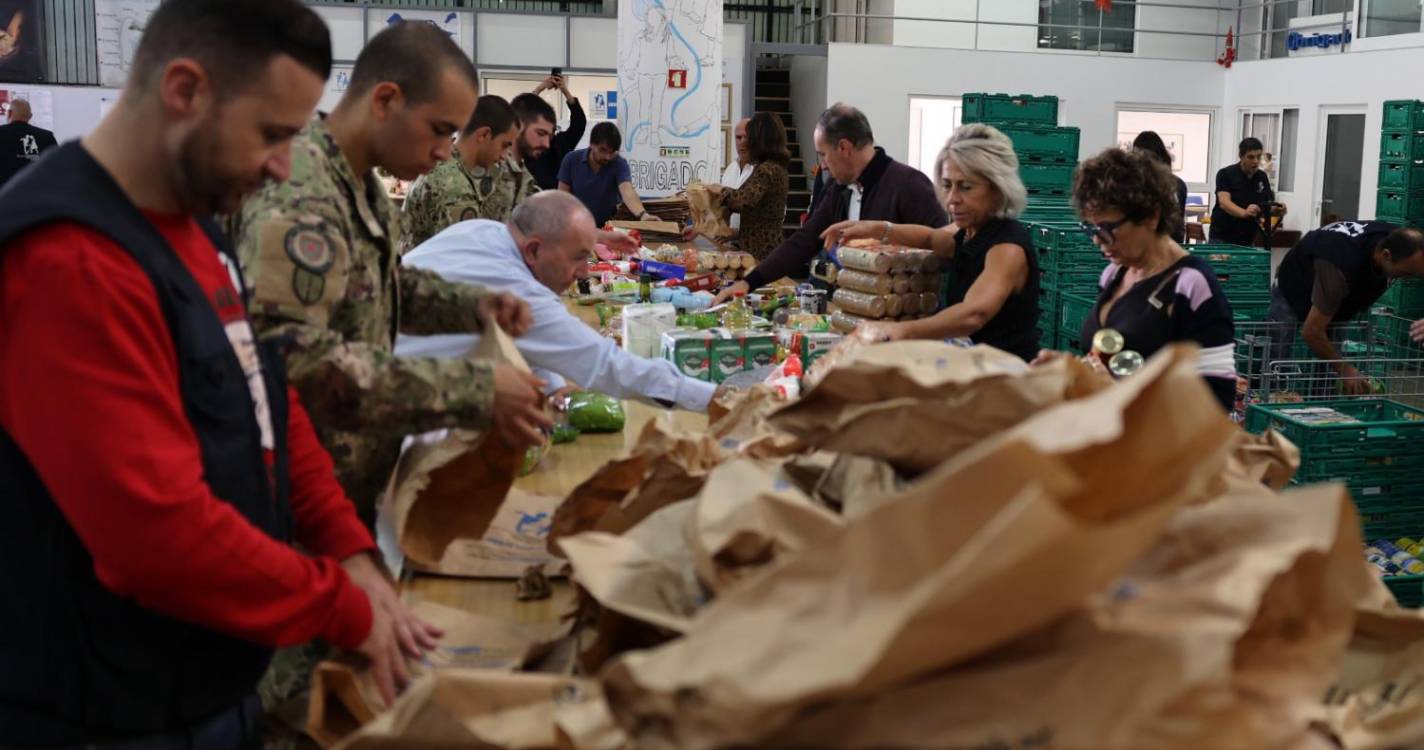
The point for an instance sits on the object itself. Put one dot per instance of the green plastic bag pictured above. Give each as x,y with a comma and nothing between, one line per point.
595,412
564,433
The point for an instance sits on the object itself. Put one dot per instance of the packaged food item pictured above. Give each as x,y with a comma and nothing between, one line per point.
860,259
737,316
909,304
900,282
929,303
589,411
870,283
893,304
844,322
564,432
860,303
690,351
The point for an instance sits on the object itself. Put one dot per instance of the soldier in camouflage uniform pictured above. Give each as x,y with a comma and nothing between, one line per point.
320,254
471,184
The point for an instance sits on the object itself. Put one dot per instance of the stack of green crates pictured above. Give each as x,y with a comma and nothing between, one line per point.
1376,448
1070,266
1048,154
1400,196
1401,304
1244,274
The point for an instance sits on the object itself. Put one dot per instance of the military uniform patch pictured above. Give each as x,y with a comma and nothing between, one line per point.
308,286
309,247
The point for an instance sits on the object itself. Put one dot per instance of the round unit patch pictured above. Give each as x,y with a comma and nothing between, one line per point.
309,247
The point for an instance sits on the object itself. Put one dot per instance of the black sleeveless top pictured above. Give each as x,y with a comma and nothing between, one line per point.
1015,328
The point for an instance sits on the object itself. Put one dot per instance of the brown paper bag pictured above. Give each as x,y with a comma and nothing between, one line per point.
449,485
1377,702
344,696
934,398
1218,637
748,515
918,585
664,466
741,425
1268,459
707,212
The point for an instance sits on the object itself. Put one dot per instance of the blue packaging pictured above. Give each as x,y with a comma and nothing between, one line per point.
663,270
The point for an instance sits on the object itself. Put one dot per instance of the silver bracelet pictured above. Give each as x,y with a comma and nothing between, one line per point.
885,238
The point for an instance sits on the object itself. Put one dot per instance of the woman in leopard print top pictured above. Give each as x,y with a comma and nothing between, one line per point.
761,200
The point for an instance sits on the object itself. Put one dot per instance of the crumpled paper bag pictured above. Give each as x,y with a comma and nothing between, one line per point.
1377,702
1220,636
449,485
918,585
344,695
935,399
664,466
738,422
1268,458
708,213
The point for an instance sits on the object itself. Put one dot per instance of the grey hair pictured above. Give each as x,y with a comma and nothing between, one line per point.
549,214
985,152
844,122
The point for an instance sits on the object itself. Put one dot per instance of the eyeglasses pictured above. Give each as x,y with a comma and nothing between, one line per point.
1107,230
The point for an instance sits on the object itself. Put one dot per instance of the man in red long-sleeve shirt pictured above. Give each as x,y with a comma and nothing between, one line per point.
153,463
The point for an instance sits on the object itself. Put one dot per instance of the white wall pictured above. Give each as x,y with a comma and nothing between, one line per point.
808,100
1310,83
880,80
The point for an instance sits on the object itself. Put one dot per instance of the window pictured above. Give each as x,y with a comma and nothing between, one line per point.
1277,132
1060,22
1187,135
1389,17
932,122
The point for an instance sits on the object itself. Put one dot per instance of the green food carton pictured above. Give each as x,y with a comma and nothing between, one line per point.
759,349
690,351
817,344
729,354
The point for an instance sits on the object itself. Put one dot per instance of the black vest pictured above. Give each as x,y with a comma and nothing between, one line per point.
1348,245
1015,328
77,662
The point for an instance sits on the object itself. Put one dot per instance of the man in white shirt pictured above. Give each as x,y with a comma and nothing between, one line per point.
738,171
538,254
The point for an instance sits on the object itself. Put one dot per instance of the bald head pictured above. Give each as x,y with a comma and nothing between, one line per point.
555,234
20,110
744,156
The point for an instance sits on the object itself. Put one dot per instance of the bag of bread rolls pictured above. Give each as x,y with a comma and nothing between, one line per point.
860,281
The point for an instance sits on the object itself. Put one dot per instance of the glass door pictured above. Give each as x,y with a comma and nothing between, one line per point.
1344,148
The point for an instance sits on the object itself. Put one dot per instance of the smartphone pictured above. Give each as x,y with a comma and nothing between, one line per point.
557,72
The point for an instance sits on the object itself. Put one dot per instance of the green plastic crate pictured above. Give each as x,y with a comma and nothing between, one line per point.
1074,309
1044,191
1365,471
1006,108
1403,114
1384,426
1050,176
1397,203
1401,147
1405,298
1050,236
1081,280
1066,342
1401,177
1039,143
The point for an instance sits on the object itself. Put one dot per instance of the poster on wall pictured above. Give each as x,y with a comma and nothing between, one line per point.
41,105
20,41
669,92
118,25
377,19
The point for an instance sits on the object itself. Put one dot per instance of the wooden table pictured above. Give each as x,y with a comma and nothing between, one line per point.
563,469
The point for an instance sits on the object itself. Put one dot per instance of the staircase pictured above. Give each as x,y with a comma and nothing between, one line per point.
773,94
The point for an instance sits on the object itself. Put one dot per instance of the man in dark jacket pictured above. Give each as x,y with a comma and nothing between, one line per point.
868,185
545,165
1336,273
20,142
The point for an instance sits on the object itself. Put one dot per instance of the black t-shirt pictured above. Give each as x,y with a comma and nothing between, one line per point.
545,168
1180,233
1245,191
20,144
1182,303
1350,247
1015,328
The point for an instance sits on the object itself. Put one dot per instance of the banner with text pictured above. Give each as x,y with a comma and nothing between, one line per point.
669,92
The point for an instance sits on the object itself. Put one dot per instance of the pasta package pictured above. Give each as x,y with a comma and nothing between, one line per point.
929,303
844,322
861,281
859,259
910,304
894,305
900,283
915,283
860,303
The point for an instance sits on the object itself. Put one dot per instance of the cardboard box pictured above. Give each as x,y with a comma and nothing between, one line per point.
759,350
690,351
729,354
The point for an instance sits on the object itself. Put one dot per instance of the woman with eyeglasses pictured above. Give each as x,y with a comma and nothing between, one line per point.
993,297
1153,292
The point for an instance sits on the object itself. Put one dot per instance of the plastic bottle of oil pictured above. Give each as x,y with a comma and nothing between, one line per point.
737,316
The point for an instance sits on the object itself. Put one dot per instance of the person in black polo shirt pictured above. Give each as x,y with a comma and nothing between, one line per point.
21,142
1240,190
1337,272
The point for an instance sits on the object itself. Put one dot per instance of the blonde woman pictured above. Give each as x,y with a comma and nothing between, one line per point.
994,296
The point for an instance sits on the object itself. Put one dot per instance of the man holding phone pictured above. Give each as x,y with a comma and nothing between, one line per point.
544,166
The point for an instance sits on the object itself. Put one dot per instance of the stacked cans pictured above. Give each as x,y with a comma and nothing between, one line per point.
1397,558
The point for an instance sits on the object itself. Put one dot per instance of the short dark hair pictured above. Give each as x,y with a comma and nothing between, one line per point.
1249,144
1403,243
412,55
766,139
843,122
606,134
231,40
1149,141
532,107
1134,182
492,112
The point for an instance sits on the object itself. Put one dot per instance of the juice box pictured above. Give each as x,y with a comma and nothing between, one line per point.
690,351
759,350
729,355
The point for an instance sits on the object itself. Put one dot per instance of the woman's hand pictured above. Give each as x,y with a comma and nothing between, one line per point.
844,231
878,332
1045,356
726,294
